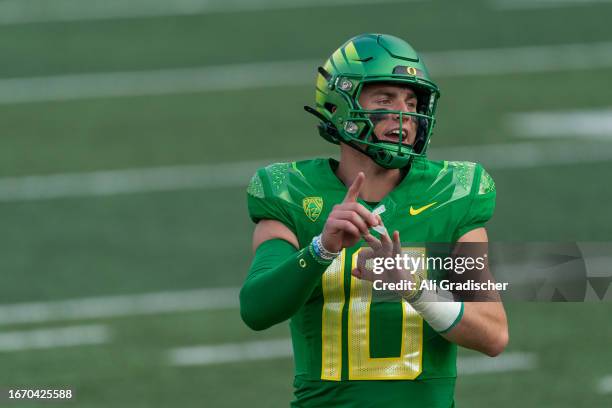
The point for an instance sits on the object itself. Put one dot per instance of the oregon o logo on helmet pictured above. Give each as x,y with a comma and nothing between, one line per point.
411,71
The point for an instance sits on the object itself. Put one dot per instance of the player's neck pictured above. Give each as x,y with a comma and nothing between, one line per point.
378,182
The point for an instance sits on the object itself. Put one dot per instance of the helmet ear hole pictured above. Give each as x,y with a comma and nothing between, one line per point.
330,107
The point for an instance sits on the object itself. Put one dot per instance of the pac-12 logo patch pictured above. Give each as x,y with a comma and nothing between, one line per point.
312,207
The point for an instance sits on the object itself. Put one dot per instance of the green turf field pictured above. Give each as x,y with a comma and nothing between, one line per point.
178,240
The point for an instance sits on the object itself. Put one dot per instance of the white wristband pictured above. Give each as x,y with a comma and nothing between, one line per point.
441,315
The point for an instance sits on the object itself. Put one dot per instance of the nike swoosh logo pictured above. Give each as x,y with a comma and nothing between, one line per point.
417,211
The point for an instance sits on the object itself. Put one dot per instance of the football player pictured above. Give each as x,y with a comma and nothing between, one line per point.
375,99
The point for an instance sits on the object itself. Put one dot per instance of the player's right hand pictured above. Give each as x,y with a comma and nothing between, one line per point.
348,221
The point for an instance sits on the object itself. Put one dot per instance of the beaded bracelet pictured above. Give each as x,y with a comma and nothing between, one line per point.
319,252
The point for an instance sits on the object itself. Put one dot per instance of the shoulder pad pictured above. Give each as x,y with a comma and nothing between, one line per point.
455,175
273,179
255,187
463,174
278,176
486,184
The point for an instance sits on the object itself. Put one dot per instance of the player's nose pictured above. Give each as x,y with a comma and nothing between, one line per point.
400,106
400,114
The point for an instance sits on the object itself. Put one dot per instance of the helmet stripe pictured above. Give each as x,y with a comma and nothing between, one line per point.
339,61
351,52
354,66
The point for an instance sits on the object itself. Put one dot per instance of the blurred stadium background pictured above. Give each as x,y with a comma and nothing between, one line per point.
130,130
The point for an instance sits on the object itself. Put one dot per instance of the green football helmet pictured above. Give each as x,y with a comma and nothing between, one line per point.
364,59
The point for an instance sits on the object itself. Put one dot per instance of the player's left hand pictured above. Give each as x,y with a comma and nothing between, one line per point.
385,247
378,248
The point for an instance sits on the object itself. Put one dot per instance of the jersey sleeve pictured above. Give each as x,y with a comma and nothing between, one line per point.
264,200
482,203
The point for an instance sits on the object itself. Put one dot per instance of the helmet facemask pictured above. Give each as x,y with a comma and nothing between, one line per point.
357,128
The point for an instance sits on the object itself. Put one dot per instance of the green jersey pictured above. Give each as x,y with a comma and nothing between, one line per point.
348,350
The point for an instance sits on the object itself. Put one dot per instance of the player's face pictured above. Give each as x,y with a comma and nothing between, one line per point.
379,96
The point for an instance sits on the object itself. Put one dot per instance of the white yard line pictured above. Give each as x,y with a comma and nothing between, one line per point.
51,338
43,11
490,61
156,82
527,155
511,361
591,124
231,352
604,386
103,183
542,4
237,174
281,348
519,60
121,305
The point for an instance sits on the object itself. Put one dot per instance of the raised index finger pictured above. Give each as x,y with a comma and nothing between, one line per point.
353,191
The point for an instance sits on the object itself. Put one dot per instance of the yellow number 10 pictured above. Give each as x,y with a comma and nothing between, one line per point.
406,366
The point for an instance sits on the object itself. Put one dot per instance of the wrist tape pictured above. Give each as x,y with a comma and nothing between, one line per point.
441,314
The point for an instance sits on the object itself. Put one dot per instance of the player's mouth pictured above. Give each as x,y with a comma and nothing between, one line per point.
394,135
